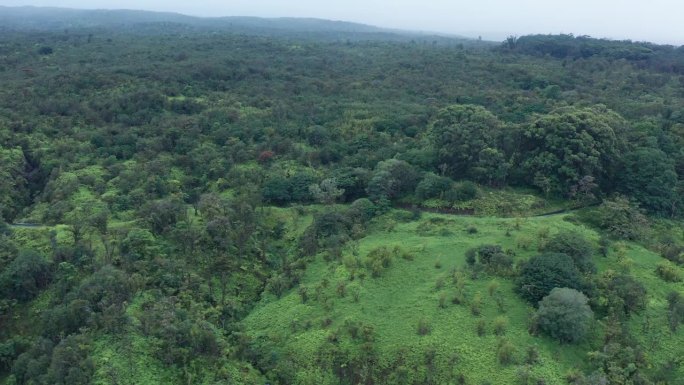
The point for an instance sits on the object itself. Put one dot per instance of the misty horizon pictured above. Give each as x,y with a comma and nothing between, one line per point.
491,19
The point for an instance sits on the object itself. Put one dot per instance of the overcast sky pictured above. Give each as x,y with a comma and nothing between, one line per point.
653,20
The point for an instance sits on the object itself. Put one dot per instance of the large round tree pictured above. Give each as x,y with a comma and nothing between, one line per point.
466,138
544,272
565,315
558,149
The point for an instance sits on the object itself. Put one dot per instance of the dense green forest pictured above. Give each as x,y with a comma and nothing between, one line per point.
245,201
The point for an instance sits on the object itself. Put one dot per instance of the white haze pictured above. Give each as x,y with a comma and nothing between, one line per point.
655,20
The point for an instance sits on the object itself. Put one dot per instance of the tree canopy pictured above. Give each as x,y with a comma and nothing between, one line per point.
565,315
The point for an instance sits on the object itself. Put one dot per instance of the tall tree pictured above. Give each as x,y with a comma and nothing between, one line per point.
467,141
557,150
649,176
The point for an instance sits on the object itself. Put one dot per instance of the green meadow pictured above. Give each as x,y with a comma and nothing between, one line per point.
430,268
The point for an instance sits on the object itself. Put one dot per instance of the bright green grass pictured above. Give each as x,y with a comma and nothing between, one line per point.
394,303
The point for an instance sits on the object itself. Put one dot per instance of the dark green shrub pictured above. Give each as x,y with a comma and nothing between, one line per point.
506,352
575,245
432,186
668,272
545,272
476,305
492,258
443,300
31,366
392,179
462,192
471,256
424,327
161,215
675,313
532,355
25,276
45,50
276,190
481,327
363,210
648,175
620,218
500,325
624,294
71,363
564,315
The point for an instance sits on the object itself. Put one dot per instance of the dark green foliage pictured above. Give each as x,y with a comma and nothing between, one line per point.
471,256
353,181
139,244
493,258
25,276
433,186
668,272
9,350
392,179
8,248
277,190
623,294
481,327
381,258
462,192
569,46
620,218
604,246
423,327
544,272
466,138
98,302
331,229
104,289
32,365
506,352
14,186
71,362
649,176
45,50
162,214
532,355
486,253
362,210
673,252
568,144
675,310
564,315
299,187
576,246
620,360
179,335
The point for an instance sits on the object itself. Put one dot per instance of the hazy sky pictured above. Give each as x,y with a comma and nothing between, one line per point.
653,20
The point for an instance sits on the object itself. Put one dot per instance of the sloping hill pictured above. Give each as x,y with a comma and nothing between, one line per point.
51,18
356,321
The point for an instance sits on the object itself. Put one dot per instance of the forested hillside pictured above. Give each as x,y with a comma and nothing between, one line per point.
184,204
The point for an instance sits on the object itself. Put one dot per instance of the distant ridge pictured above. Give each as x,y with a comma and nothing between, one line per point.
46,18
30,18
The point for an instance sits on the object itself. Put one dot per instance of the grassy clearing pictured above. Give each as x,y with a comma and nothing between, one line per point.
407,294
